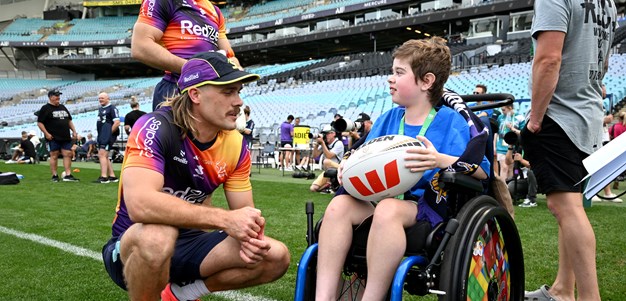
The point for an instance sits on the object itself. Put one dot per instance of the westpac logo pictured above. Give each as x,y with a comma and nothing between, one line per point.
392,179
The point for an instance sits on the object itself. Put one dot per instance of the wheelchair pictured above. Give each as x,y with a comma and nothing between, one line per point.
476,254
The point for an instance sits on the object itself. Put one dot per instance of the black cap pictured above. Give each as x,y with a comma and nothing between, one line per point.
363,117
54,92
338,115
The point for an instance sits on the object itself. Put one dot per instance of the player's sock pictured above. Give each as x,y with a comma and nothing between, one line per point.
190,291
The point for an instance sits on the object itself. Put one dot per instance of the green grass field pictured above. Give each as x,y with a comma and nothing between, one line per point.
80,214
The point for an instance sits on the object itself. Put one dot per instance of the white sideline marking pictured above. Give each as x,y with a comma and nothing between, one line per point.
231,295
54,243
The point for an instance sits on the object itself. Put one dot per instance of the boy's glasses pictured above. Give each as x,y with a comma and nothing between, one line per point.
476,92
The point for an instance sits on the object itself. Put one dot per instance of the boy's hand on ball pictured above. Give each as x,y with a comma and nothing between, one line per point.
422,158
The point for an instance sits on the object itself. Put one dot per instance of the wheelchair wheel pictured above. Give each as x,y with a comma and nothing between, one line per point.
484,260
351,286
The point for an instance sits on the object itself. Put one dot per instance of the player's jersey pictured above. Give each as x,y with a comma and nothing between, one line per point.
188,26
107,115
190,173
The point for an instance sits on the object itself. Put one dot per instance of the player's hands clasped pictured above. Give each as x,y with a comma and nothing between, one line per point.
247,225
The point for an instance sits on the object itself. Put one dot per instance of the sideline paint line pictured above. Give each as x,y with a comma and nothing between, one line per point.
231,295
234,295
53,243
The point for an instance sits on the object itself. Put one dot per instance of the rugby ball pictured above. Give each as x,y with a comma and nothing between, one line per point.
376,171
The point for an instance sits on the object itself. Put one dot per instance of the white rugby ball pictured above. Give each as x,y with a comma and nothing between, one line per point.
376,171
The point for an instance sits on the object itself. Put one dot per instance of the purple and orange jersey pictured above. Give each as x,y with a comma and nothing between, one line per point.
189,172
188,26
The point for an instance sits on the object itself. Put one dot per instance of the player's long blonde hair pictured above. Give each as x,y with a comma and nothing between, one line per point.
183,115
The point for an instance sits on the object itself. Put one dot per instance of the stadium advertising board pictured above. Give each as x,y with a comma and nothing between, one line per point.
319,14
110,3
66,43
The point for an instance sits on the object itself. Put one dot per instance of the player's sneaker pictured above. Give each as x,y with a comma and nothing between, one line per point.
102,180
113,179
528,203
55,178
70,178
168,295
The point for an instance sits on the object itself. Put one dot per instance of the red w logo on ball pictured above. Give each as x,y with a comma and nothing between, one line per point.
392,178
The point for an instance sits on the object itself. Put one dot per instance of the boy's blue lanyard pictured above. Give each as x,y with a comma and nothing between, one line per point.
427,122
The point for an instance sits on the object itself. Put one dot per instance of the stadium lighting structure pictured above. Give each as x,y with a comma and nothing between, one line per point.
427,34
408,28
417,31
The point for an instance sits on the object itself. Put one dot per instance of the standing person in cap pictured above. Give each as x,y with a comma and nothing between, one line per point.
108,126
167,33
176,157
55,121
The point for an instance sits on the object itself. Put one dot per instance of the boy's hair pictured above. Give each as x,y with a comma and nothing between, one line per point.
246,110
428,55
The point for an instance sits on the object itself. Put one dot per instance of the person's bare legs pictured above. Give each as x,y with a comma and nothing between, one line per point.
386,244
146,251
103,157
577,247
334,242
67,161
54,156
109,169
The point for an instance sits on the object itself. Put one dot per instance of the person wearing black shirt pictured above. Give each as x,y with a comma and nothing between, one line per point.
55,121
28,152
132,116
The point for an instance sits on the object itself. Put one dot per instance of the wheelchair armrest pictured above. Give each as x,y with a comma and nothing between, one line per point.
458,181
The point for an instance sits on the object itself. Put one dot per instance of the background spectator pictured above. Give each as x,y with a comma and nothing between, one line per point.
55,121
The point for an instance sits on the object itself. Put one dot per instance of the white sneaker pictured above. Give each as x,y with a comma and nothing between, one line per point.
595,198
615,200
10,162
528,203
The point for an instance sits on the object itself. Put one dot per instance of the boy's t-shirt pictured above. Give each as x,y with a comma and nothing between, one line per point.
449,133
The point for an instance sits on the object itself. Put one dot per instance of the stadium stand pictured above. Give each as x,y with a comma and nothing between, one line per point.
312,89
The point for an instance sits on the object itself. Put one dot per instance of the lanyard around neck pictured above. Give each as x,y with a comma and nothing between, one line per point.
427,122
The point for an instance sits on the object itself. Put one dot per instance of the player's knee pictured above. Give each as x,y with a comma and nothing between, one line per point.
155,245
278,262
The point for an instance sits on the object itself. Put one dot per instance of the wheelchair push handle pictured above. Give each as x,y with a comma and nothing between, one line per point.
499,100
310,230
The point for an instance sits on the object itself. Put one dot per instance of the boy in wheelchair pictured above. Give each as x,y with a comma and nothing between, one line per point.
420,69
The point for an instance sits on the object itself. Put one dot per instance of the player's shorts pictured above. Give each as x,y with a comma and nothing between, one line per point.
163,90
283,143
55,145
105,137
192,246
554,159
